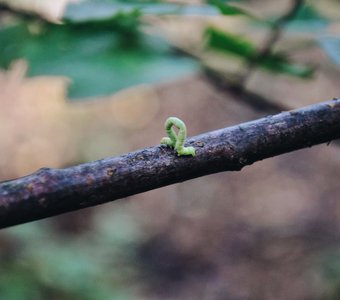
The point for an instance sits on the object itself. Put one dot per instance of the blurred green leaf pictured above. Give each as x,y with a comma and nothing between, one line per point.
100,57
50,265
17,283
96,10
123,23
280,63
228,42
308,19
230,10
245,49
307,13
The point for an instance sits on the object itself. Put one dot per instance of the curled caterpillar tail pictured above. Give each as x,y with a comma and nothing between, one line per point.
186,151
177,141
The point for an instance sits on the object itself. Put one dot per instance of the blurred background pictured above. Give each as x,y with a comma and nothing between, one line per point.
83,80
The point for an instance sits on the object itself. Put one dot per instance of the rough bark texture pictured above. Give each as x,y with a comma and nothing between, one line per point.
50,192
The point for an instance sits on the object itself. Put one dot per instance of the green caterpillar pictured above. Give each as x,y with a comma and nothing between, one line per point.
177,141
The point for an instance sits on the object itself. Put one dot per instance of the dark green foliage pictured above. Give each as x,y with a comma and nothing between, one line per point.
101,48
245,49
230,10
308,18
100,56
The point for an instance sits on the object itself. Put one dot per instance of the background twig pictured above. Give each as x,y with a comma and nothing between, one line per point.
272,39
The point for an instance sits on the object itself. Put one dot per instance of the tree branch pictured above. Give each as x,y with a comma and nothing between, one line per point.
50,192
